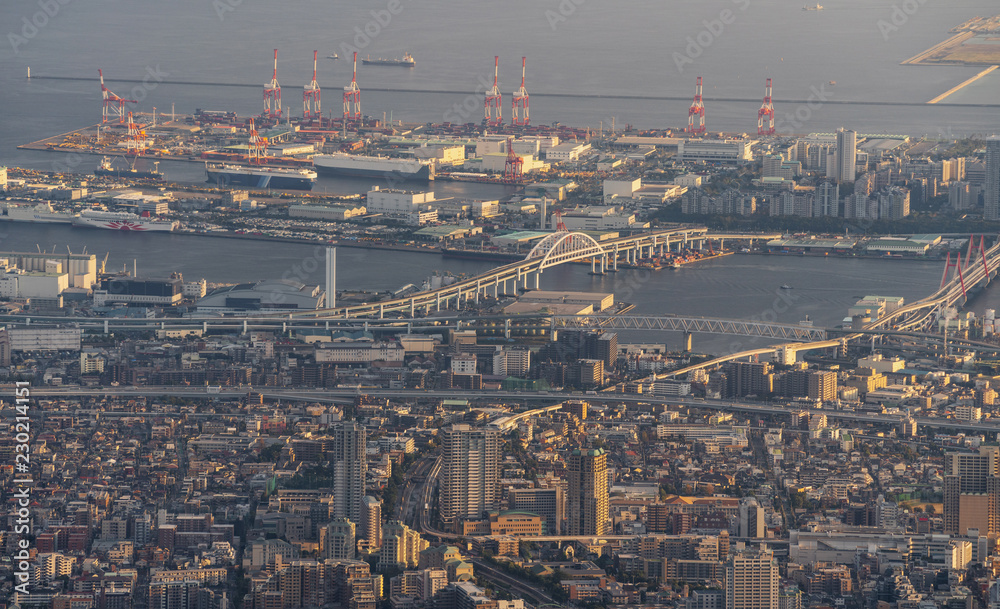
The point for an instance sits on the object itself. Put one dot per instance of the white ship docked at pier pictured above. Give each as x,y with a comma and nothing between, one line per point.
41,212
116,220
340,164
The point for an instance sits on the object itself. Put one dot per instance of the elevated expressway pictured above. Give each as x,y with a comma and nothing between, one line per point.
919,315
555,249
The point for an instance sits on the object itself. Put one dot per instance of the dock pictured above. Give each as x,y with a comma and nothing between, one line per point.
955,40
963,84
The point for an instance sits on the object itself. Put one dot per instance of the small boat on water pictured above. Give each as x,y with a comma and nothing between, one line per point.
785,286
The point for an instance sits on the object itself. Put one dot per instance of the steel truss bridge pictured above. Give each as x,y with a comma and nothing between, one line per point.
500,324
690,325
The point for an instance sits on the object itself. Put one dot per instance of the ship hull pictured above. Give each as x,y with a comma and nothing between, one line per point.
38,218
124,173
231,178
422,174
137,226
398,64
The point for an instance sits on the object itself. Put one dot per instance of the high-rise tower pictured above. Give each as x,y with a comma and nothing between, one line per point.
470,478
587,501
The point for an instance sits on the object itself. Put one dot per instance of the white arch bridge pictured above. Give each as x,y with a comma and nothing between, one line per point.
555,249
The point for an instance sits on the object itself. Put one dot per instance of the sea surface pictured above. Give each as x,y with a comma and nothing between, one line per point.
736,286
590,63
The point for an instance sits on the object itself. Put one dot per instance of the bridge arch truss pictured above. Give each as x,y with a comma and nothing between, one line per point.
562,247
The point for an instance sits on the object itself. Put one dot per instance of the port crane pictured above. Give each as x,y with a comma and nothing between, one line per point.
113,104
135,142
697,110
519,107
352,96
311,96
256,145
766,111
272,94
514,166
494,99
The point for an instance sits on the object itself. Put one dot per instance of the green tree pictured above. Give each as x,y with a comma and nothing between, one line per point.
271,453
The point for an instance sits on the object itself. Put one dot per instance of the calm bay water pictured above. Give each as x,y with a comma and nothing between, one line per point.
738,286
606,48
578,62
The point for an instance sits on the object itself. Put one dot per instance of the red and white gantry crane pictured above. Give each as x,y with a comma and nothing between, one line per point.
766,111
519,107
112,104
352,96
272,93
697,110
493,113
311,96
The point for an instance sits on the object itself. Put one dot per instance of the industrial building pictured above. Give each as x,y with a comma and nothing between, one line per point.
265,295
598,218
45,338
496,162
570,151
396,202
81,268
620,189
519,238
599,301
18,283
715,151
337,213
131,290
447,232
359,352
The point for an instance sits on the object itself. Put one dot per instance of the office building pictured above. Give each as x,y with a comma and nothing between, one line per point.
350,467
336,540
470,479
512,362
821,385
847,155
751,518
749,378
370,527
401,547
991,204
546,502
751,581
587,501
826,200
972,492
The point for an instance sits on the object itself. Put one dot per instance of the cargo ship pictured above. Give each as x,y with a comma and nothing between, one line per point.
339,164
41,212
106,169
291,178
406,62
116,220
